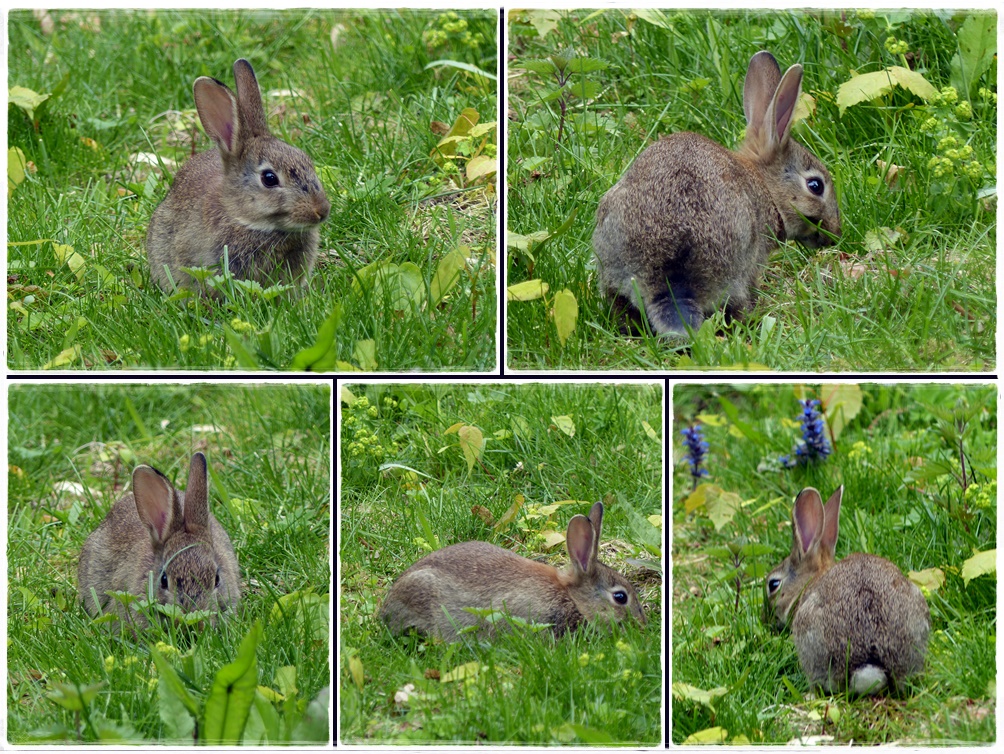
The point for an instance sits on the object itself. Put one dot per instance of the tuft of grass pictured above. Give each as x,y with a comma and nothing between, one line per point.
909,287
356,90
407,488
896,450
72,449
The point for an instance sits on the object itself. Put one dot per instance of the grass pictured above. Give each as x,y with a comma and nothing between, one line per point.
72,448
353,89
903,500
911,284
592,686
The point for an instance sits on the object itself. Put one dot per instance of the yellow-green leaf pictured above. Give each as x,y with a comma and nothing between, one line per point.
459,673
524,242
364,352
656,520
868,86
448,273
566,312
716,735
652,434
17,166
453,428
693,694
347,396
841,403
64,358
720,505
481,166
930,579
510,515
981,564
73,698
26,99
66,255
356,670
472,443
447,146
528,290
564,424
553,538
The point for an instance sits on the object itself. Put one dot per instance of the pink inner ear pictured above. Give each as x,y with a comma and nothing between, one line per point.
580,541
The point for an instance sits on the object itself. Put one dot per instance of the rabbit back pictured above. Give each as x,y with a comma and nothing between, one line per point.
253,195
688,225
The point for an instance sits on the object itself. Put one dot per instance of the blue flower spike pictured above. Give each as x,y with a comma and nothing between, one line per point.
697,448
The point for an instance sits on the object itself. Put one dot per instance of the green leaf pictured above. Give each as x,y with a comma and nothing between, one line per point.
566,312
313,727
448,274
364,352
841,403
747,429
472,443
980,564
977,38
584,89
693,694
26,99
243,356
586,65
17,167
481,166
528,290
397,286
930,579
589,735
721,506
869,86
320,357
543,67
178,710
232,694
73,696
564,424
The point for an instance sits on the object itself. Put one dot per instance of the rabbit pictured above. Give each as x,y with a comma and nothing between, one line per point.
690,224
430,596
255,195
158,537
859,624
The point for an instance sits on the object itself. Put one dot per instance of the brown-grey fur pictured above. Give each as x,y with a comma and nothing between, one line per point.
219,199
690,224
481,575
857,624
156,529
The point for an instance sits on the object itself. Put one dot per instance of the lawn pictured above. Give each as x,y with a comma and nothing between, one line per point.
104,116
408,487
896,449
72,449
910,287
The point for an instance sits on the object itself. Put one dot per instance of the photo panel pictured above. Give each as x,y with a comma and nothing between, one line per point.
169,562
834,563
806,191
500,563
253,189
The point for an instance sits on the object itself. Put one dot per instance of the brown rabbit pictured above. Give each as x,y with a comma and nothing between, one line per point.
858,624
431,595
254,194
161,539
690,224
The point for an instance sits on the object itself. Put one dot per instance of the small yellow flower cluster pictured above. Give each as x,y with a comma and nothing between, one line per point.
859,451
896,46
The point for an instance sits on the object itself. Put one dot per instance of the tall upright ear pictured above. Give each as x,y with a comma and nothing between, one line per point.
781,111
762,78
581,541
157,505
596,519
252,111
217,108
197,495
831,521
806,520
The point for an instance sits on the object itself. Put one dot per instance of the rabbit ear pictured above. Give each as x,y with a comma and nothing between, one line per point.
197,495
157,505
806,521
831,521
252,112
581,541
781,112
596,519
217,108
762,78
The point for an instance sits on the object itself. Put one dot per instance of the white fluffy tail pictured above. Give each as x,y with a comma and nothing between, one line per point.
868,679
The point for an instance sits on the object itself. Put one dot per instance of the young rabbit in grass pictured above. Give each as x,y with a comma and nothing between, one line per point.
859,624
162,538
690,224
254,194
430,596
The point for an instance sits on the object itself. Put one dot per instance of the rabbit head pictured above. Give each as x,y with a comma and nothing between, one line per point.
254,197
799,183
814,529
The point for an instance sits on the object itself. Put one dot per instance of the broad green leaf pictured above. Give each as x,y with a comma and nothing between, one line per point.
721,506
244,357
977,38
356,671
930,579
459,673
566,312
73,696
26,99
552,539
544,21
313,726
589,735
64,358
980,564
398,286
66,255
524,242
869,86
448,274
232,694
528,290
841,403
584,89
472,443
694,694
364,352
481,166
347,396
447,146
17,167
586,65
565,424
177,708
543,67
320,357
510,515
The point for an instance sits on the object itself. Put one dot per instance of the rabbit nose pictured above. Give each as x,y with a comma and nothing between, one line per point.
322,207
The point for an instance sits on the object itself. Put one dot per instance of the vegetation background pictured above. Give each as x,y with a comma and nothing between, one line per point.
897,450
103,116
72,448
426,466
910,286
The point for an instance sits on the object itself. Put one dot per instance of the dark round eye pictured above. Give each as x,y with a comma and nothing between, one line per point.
773,585
620,597
217,578
269,179
163,579
815,185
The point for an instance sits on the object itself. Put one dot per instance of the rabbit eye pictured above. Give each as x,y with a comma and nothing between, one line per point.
269,179
620,597
217,578
773,585
163,579
815,185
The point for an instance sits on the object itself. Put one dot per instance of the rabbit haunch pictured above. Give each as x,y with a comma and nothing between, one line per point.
254,195
162,538
690,225
431,595
857,624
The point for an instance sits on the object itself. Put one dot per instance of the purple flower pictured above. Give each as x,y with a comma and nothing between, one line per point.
813,446
697,447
